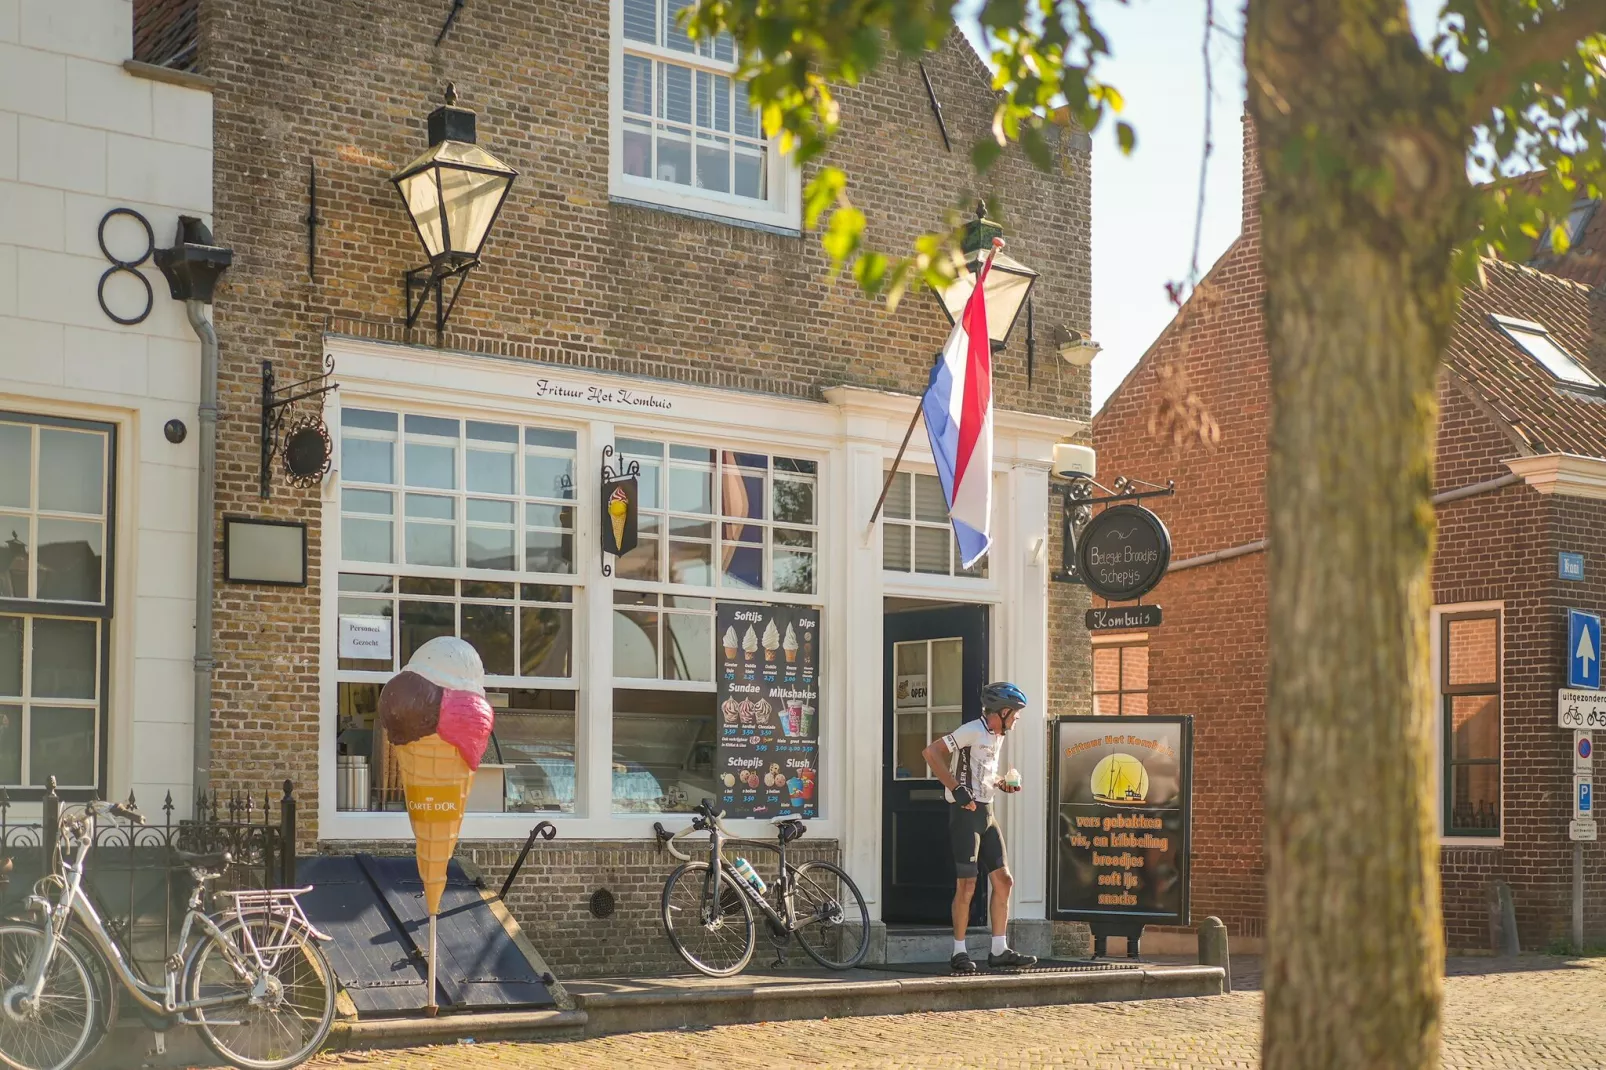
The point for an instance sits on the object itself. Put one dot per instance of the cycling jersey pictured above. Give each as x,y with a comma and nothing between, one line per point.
975,753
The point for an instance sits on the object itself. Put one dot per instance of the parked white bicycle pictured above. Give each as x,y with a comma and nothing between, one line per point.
251,978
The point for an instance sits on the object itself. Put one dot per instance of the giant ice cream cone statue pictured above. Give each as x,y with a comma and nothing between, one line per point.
435,715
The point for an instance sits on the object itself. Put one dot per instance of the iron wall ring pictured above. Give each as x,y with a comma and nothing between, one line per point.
150,237
100,295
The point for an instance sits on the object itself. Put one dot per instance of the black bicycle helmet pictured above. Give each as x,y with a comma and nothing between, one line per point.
1002,696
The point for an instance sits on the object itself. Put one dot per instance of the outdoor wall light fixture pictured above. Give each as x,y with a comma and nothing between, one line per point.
453,193
1076,347
1009,283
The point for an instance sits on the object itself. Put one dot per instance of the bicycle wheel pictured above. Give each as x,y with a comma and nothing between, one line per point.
55,1032
719,946
281,1028
833,924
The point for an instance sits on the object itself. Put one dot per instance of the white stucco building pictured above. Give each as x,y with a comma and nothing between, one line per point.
97,504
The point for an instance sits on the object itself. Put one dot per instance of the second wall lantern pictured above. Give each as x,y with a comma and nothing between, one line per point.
1009,282
453,193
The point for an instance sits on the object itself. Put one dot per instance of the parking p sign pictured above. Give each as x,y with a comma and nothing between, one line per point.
1583,797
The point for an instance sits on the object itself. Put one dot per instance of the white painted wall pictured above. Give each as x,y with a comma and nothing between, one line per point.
79,135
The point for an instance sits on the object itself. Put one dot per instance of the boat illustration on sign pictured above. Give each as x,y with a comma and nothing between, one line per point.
1120,780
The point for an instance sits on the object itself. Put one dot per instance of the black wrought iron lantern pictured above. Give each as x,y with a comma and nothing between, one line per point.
453,193
1009,282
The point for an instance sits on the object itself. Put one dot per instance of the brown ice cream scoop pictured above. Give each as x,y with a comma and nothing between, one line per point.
409,708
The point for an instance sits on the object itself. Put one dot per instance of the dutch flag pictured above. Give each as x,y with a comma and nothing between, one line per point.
958,406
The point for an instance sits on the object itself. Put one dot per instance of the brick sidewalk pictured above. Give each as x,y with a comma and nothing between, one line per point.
1508,1014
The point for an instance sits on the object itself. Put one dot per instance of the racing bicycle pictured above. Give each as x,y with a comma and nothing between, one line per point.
708,907
252,978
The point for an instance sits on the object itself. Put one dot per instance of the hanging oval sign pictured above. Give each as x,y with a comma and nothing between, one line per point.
1123,553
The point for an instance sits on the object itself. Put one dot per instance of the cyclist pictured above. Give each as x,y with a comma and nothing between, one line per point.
966,762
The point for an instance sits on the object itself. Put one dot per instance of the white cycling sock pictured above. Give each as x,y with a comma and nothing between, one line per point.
959,948
1000,944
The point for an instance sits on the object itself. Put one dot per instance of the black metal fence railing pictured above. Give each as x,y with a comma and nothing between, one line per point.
131,872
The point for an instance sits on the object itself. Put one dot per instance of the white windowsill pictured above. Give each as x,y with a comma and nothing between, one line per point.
708,212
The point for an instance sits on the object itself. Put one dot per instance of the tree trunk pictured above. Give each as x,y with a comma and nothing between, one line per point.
1364,197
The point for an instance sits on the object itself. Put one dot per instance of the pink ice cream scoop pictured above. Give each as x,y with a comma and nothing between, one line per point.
465,723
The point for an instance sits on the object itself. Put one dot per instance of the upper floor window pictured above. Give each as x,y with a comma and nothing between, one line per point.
684,133
916,534
1121,676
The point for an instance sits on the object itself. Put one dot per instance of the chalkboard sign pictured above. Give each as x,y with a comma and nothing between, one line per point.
769,709
1119,828
1123,553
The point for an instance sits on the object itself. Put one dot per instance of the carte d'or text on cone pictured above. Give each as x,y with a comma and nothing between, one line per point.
436,782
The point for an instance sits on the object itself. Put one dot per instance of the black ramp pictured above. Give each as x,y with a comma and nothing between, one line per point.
480,965
371,958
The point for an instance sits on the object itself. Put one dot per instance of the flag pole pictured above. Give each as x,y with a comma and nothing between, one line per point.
998,243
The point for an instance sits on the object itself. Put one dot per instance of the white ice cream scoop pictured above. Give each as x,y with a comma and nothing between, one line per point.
449,662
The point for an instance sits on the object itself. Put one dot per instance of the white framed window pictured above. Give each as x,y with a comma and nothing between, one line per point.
466,528
724,519
56,501
916,533
684,134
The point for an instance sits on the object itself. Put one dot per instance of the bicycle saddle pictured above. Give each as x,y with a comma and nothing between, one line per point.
217,860
784,818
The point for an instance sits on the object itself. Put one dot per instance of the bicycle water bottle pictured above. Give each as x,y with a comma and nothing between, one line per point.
745,870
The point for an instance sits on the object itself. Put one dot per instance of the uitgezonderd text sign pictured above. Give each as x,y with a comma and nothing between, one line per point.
1579,708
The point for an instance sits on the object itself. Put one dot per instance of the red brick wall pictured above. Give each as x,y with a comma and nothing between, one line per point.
1208,657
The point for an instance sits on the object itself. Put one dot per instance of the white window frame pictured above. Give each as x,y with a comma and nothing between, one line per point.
984,571
783,207
1437,654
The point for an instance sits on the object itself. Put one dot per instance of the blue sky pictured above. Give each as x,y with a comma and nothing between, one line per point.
1144,204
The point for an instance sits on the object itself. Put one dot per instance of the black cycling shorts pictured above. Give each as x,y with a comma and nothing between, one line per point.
977,842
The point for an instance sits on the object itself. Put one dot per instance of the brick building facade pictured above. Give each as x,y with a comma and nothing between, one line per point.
1518,480
617,303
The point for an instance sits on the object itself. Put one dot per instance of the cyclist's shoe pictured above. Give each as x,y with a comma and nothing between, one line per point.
961,963
1010,960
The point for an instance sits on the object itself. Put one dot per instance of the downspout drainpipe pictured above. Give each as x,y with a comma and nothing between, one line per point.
205,500
1469,491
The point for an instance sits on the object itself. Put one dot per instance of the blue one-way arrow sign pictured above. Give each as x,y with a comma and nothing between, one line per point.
1583,649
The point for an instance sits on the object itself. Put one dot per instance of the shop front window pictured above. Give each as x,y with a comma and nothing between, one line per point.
916,534
462,528
55,604
723,519
1469,685
1121,677
664,745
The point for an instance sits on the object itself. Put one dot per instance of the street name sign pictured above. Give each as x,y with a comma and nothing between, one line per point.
1581,831
1570,566
1118,617
1583,753
1580,709
1583,649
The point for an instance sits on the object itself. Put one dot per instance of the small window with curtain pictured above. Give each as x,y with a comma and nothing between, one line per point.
1469,687
1121,676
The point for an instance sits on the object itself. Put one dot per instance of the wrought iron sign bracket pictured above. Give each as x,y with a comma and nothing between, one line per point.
305,447
1079,500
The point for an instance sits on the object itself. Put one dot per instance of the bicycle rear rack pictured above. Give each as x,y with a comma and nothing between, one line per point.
278,902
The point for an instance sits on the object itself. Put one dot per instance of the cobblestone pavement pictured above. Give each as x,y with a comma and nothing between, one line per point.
1513,1014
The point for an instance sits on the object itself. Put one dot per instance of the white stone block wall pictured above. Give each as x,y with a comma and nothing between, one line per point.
80,135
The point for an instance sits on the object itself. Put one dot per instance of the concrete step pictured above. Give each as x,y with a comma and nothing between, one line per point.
909,943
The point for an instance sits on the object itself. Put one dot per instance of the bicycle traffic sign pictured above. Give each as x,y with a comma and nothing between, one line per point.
1580,709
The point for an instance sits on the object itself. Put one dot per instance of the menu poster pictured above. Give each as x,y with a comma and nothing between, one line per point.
1121,819
769,698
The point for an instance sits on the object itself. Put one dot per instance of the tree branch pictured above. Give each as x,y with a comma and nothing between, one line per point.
1553,40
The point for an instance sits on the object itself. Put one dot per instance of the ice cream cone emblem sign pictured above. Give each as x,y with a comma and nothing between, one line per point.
620,493
436,718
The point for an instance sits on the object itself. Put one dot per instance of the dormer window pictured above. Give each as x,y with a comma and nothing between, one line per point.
1534,340
684,134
